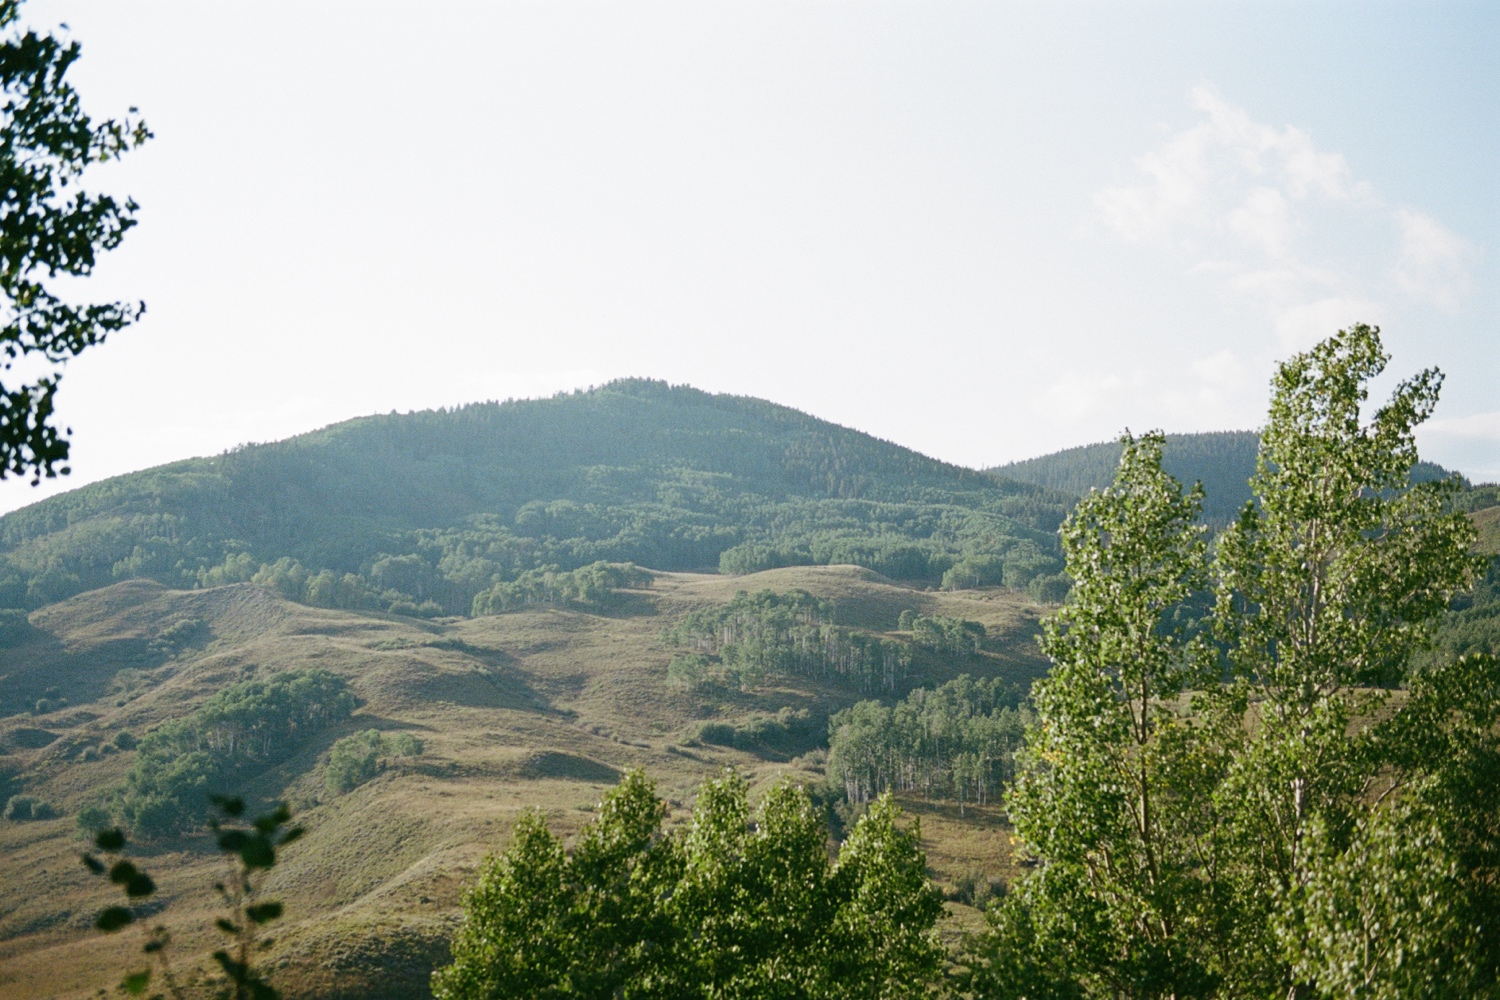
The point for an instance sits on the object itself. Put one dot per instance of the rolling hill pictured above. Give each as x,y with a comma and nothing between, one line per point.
539,708
430,509
1223,461
379,554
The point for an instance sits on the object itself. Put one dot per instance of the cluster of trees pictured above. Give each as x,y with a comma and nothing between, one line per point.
941,634
1285,804
592,585
244,727
739,904
957,741
442,506
356,759
765,635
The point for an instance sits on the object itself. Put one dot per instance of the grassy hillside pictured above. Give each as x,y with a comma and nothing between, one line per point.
431,509
541,707
1223,461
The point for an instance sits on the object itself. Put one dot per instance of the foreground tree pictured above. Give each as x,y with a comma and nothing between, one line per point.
1326,587
49,227
1112,797
745,905
1324,820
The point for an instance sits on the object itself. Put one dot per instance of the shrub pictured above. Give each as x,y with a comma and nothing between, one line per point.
402,745
21,808
92,819
125,740
353,761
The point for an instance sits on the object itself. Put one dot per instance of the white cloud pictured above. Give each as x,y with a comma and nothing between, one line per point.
1434,260
1283,226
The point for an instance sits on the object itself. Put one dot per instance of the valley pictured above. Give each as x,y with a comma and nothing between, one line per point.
539,708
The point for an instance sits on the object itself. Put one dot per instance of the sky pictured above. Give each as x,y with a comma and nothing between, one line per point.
986,231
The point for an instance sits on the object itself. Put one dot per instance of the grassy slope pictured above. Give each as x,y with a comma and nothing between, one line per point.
538,708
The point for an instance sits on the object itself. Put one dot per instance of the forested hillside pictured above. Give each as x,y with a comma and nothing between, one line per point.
1223,461
425,512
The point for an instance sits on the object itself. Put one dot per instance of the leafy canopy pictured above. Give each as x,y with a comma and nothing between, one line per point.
49,227
744,904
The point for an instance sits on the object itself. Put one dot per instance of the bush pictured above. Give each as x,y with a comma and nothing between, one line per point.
977,889
355,759
716,733
22,808
92,819
402,745
125,740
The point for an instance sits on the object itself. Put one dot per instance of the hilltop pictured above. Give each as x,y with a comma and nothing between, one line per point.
1223,461
429,509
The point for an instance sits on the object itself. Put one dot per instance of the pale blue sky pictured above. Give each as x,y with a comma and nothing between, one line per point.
985,231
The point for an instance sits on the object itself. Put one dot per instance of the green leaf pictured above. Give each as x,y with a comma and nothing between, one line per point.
228,805
257,852
122,872
111,840
140,885
136,983
113,918
263,912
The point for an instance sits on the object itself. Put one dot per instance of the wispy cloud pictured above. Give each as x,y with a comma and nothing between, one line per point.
1274,220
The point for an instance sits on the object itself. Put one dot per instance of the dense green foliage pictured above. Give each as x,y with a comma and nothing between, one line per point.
758,637
356,759
245,727
1296,810
956,742
1223,461
441,506
49,229
743,905
590,585
943,635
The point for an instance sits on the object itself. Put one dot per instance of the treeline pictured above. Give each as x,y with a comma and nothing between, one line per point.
246,726
941,634
592,585
436,508
956,742
758,637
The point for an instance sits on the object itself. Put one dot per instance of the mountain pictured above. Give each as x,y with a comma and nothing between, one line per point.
1223,461
428,510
